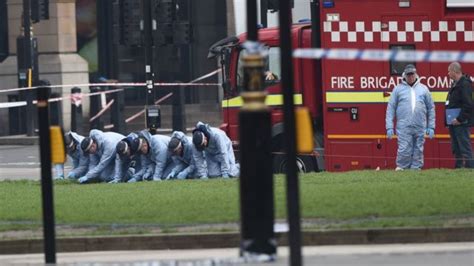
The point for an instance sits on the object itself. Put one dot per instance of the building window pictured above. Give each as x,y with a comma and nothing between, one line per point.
397,67
3,30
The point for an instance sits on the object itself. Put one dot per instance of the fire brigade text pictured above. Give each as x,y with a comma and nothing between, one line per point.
385,82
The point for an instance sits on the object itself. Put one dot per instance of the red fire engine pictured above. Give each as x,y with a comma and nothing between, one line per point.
348,99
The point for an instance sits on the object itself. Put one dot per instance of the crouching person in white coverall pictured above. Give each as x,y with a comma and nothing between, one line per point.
101,149
218,153
182,153
156,160
126,162
80,161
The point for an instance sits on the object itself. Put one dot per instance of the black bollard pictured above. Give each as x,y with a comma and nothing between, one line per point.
179,114
95,107
55,111
116,118
16,123
76,111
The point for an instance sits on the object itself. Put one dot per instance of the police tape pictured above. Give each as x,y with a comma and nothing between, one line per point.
76,98
384,55
126,84
113,84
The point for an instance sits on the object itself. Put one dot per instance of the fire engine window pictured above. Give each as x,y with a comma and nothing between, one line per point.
273,71
396,67
459,3
272,68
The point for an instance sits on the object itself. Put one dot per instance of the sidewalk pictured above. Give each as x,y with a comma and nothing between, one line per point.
428,254
19,140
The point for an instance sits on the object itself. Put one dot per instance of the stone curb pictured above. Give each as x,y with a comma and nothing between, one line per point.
19,140
232,240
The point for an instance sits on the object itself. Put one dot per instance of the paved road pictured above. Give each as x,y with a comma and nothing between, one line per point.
20,162
399,254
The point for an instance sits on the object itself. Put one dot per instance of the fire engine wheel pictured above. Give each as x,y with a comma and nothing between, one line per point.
304,164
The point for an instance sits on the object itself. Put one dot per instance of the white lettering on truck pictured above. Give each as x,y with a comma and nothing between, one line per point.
342,82
349,82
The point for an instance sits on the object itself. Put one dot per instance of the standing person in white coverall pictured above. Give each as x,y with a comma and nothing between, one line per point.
413,108
101,149
218,152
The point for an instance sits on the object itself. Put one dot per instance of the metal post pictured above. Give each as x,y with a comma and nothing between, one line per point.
46,179
27,69
147,27
252,32
289,129
264,13
256,176
315,7
76,110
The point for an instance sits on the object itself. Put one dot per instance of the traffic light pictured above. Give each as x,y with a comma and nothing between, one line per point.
39,10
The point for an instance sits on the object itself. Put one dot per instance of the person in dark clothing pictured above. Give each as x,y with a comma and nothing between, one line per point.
460,96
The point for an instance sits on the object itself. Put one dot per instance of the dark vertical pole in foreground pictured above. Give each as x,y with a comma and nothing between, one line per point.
46,179
292,187
256,177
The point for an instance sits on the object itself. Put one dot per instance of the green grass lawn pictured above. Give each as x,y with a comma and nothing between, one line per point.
358,199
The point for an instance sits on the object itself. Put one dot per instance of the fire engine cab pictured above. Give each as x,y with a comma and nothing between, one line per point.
348,99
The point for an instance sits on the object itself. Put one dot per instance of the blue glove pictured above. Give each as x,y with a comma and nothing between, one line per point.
182,175
390,133
430,132
82,180
132,180
171,175
146,177
71,175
